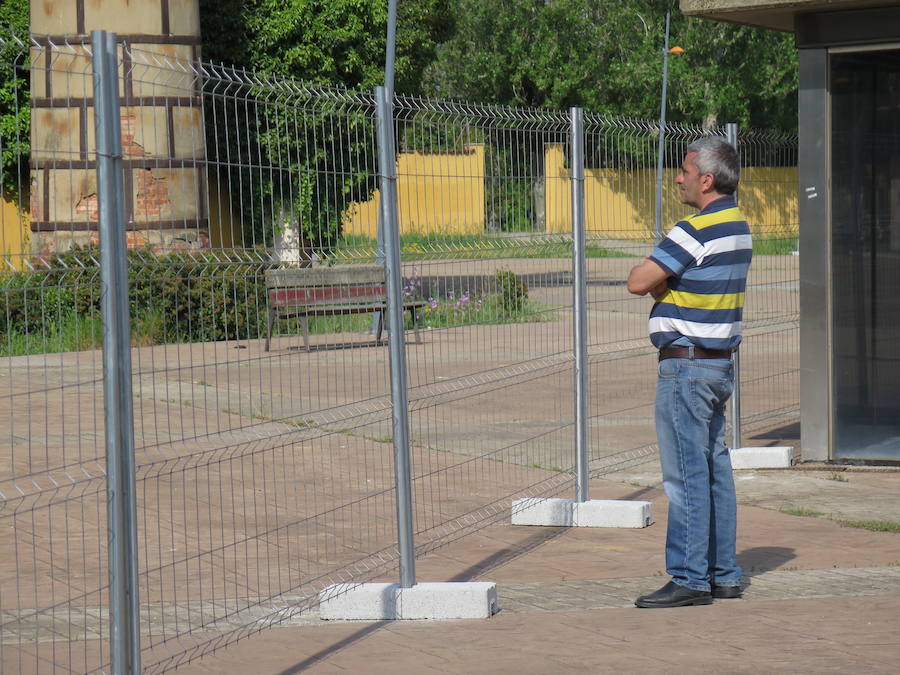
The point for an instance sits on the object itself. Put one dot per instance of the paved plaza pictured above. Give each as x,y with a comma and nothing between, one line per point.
820,597
234,441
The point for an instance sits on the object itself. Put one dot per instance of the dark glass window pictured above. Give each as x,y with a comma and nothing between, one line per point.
865,253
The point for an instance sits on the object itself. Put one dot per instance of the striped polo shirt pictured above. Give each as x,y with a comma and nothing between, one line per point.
708,256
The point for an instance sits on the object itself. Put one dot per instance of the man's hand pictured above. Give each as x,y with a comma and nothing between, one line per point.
647,278
660,289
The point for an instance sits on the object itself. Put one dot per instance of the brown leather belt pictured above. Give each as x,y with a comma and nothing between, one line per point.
699,353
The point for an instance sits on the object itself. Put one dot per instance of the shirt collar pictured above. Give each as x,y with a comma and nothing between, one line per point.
726,202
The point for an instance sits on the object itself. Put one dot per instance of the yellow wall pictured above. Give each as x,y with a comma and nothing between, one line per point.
444,193
622,203
437,192
14,231
768,198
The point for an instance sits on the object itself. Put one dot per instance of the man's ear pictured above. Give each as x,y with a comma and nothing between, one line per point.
707,182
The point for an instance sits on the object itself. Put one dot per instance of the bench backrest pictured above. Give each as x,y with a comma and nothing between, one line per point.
326,286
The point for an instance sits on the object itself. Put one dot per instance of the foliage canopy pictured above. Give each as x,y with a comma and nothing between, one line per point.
14,106
606,56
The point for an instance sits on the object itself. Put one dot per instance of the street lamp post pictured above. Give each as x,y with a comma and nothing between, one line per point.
390,51
661,155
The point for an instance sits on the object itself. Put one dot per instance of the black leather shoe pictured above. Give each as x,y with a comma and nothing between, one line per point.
726,592
674,595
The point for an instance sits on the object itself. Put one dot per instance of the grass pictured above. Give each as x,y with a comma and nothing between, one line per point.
774,246
802,512
871,525
70,333
486,311
466,247
479,246
445,314
73,332
303,423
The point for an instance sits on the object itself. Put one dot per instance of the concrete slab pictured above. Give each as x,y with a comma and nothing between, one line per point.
779,457
592,513
386,601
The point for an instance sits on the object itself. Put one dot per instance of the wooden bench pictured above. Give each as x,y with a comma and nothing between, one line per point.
329,291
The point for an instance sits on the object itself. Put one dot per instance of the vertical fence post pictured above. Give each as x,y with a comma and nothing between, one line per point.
396,335
661,153
579,303
124,616
731,134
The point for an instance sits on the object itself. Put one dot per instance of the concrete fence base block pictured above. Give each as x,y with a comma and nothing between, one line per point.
381,601
592,513
549,512
613,513
762,458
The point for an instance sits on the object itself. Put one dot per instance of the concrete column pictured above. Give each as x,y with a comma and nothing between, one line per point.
815,263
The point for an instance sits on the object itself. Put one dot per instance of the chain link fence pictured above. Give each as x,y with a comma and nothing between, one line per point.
261,381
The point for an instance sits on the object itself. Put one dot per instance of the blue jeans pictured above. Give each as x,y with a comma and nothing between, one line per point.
696,468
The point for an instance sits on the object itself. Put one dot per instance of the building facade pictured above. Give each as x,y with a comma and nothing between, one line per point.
162,124
849,192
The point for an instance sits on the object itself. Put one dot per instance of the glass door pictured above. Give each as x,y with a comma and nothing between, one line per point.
865,253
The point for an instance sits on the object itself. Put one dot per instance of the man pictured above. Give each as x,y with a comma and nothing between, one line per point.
698,275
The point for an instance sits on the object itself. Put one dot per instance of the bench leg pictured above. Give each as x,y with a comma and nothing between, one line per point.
379,320
305,320
269,324
415,322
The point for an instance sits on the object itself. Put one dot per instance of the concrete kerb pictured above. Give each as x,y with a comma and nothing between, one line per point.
554,512
389,601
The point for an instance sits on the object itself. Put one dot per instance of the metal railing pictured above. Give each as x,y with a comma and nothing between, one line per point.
261,477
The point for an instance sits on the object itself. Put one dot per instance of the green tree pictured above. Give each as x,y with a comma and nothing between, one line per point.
606,55
14,93
337,42
322,149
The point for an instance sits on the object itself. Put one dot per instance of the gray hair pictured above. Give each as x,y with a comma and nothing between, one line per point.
715,155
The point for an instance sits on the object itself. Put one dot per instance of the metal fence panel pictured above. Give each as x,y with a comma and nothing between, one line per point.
53,591
273,477
491,398
771,350
264,466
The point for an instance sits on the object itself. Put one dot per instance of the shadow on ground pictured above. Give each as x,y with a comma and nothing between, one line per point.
761,559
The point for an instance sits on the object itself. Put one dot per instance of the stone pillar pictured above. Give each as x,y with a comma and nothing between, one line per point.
162,123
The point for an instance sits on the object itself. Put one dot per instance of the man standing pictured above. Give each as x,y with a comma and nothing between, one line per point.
698,275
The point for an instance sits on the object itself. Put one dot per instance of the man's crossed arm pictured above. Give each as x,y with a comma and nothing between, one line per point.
648,277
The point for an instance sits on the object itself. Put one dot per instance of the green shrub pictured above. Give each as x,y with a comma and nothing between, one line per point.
512,291
178,297
33,299
202,298
191,297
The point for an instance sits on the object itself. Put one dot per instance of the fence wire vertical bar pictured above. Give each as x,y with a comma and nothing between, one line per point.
731,133
579,304
396,335
124,617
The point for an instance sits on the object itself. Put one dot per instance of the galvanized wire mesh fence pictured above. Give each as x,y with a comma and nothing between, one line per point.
53,484
770,378
620,218
264,464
